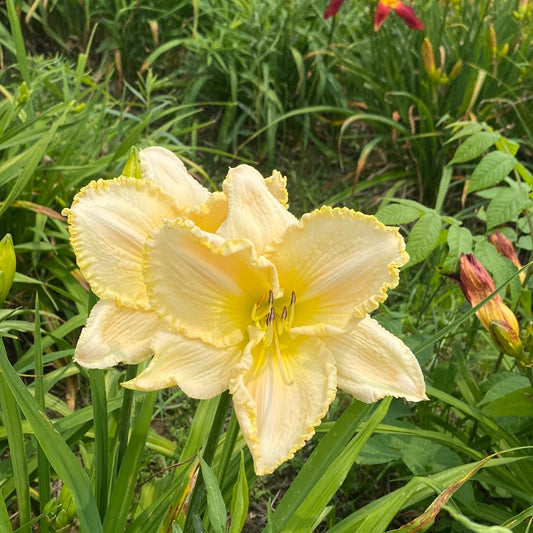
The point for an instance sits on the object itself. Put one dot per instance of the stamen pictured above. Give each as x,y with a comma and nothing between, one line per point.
270,317
270,297
282,323
284,376
257,316
291,312
270,331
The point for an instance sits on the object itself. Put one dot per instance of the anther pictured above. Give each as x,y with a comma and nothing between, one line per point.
293,298
270,317
271,298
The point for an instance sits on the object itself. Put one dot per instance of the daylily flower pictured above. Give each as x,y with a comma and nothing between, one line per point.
109,221
273,308
495,316
505,248
407,13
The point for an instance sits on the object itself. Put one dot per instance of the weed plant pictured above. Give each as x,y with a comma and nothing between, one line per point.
353,117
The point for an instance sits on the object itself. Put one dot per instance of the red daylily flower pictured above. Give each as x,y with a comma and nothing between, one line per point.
407,13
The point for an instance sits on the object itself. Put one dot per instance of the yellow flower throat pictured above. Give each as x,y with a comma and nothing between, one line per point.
275,317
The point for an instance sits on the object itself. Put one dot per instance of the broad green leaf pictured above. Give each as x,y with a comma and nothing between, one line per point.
464,129
216,510
423,238
394,214
516,403
505,207
459,242
492,169
239,500
474,146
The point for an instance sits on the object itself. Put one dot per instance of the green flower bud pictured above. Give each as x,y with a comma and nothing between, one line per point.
132,168
7,266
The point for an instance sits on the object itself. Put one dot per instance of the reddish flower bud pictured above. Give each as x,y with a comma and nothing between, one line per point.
332,8
505,248
495,316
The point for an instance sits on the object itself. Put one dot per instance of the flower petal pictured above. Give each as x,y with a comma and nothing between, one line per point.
209,215
277,416
382,12
339,264
167,170
115,334
277,185
199,369
373,363
109,221
407,13
203,285
253,212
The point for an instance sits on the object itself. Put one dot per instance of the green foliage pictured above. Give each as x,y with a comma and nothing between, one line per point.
352,116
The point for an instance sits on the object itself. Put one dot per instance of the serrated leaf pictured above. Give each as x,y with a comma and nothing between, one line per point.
423,238
474,146
459,242
397,214
492,169
465,128
505,207
216,510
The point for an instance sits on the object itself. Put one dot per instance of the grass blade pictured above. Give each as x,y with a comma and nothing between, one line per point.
43,468
124,487
56,449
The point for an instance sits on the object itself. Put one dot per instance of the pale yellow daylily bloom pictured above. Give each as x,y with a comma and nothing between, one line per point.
109,221
276,309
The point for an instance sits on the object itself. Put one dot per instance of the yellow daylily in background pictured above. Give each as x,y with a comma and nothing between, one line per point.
109,221
273,308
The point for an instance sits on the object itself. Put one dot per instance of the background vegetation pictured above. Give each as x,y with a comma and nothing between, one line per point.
431,130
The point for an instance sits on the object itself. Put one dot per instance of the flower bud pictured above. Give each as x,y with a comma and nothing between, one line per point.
8,265
427,56
495,316
492,41
505,248
507,340
456,69
132,168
